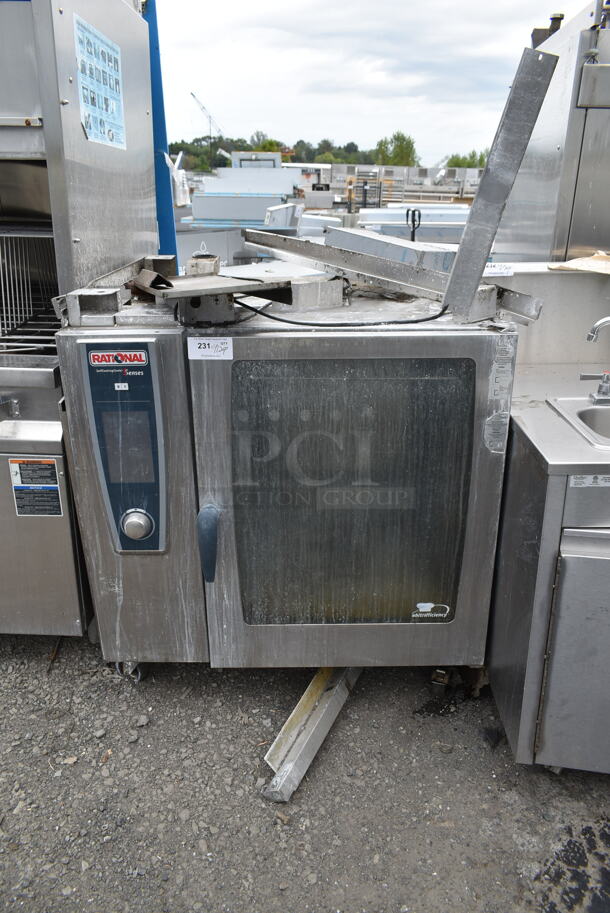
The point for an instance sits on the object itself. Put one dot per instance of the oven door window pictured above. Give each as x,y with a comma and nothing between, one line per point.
350,488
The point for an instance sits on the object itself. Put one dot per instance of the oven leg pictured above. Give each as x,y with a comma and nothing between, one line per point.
305,729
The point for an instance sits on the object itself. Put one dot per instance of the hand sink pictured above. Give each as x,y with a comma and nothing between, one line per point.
591,421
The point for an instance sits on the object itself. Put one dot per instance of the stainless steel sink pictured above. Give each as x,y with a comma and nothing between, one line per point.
592,422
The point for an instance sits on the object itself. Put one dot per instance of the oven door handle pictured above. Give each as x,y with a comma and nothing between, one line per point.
207,536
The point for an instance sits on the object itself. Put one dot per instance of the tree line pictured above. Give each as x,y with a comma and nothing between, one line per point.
204,153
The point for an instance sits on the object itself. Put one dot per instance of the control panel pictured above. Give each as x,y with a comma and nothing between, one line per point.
126,421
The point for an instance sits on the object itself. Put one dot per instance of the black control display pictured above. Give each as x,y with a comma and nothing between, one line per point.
122,383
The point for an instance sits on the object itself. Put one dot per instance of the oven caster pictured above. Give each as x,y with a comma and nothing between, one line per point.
136,672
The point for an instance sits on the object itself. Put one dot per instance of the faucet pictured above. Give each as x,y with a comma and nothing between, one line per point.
602,397
594,331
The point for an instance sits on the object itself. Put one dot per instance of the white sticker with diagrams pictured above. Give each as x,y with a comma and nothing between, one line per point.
209,348
597,481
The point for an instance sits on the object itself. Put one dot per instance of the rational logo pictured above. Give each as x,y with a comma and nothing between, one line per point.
138,357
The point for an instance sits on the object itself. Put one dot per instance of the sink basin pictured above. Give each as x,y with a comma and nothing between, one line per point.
592,422
597,418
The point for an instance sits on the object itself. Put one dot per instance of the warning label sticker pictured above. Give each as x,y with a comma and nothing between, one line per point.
35,488
597,481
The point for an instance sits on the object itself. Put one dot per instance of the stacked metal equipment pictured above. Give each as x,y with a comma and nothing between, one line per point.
75,202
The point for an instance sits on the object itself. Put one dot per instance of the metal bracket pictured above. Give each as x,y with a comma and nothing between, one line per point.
94,306
305,729
206,309
32,120
524,308
594,86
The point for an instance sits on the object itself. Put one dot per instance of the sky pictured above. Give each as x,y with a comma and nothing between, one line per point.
347,70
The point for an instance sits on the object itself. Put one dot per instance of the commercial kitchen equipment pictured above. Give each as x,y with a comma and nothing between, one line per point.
77,199
343,493
333,482
550,632
559,205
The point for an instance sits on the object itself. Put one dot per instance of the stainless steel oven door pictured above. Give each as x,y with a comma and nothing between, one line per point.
349,491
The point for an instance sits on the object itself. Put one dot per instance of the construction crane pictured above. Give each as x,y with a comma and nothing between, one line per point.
209,118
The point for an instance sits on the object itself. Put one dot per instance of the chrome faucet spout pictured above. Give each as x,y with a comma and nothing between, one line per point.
594,331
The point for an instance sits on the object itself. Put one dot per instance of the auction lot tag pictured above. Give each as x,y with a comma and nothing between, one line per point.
210,348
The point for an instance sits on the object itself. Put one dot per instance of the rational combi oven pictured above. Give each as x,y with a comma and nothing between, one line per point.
333,493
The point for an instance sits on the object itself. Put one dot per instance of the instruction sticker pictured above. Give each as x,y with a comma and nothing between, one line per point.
212,347
35,488
597,481
100,85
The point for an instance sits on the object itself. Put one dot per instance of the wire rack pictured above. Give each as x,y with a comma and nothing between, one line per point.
28,282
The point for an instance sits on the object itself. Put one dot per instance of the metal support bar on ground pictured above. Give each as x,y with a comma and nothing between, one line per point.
526,96
305,729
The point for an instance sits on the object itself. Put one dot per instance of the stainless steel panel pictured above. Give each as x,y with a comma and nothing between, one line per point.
590,226
149,606
518,120
595,86
29,371
19,86
40,589
572,302
587,502
102,198
235,643
536,220
528,545
24,192
575,709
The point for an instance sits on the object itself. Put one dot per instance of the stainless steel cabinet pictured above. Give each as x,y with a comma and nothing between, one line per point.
574,729
549,647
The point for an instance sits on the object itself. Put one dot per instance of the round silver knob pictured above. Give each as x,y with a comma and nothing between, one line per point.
137,524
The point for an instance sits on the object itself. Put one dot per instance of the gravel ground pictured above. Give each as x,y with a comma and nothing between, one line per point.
116,797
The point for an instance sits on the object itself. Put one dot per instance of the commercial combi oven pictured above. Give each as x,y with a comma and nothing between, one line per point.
290,497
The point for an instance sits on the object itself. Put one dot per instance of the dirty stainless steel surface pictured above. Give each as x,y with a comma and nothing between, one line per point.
367,269
149,605
591,421
95,231
563,447
301,736
571,303
528,542
527,94
552,213
24,196
288,589
20,102
573,729
42,585
556,478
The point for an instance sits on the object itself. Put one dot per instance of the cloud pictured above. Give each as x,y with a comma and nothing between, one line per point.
351,71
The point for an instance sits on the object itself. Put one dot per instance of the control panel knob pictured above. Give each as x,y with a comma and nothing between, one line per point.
137,524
